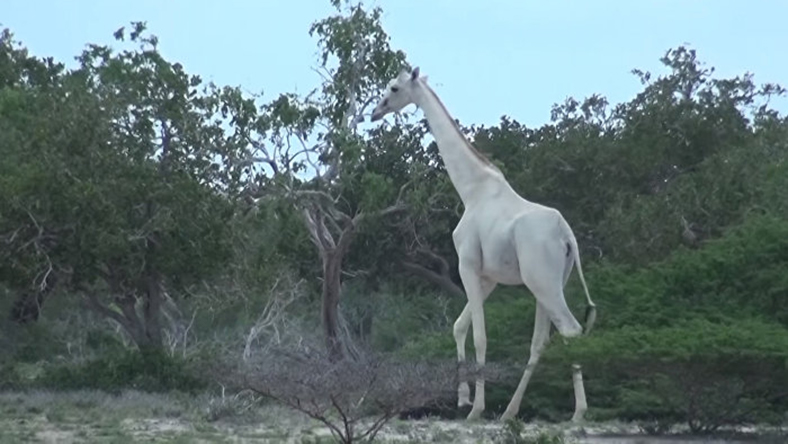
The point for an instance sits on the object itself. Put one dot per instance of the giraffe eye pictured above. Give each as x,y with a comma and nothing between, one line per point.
394,89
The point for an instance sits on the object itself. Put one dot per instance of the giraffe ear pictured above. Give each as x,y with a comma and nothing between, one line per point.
415,74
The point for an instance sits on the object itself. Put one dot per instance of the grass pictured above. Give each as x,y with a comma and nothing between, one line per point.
88,416
93,416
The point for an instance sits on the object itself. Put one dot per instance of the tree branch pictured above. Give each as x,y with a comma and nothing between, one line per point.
444,281
317,229
443,264
93,303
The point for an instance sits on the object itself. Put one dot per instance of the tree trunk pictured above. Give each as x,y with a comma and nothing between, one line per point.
332,273
142,330
332,252
152,311
145,332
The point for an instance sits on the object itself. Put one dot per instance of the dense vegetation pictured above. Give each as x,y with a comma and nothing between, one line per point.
147,218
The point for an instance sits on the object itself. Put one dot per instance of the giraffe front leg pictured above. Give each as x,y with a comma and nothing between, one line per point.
480,344
461,326
477,289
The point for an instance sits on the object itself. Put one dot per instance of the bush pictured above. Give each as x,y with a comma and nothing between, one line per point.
150,371
741,274
699,337
702,373
354,397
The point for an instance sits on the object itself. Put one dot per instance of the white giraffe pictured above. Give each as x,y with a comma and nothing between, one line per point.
500,239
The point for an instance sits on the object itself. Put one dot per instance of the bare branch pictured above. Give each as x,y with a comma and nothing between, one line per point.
342,394
12,236
306,150
316,224
316,195
403,188
350,230
351,117
564,164
362,110
279,299
93,303
396,208
325,74
443,280
317,234
440,260
333,221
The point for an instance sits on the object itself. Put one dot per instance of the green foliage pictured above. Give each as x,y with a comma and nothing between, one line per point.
397,313
354,40
511,312
112,187
647,380
152,371
699,337
129,174
738,275
683,160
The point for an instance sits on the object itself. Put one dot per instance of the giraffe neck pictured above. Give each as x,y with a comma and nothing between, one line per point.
468,168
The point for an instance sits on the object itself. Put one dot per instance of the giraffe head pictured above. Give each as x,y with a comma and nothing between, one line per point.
399,94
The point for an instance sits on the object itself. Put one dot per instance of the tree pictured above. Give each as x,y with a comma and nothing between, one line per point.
123,178
624,174
25,84
356,62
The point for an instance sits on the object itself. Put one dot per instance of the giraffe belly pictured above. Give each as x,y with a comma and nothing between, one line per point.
501,265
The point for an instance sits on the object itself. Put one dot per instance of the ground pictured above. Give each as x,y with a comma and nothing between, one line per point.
98,417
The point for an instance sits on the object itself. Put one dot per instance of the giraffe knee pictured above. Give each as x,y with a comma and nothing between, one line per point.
460,329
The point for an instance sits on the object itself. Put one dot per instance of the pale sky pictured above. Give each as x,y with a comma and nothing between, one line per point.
484,58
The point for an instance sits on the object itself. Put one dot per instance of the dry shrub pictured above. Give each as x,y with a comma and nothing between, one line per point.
354,397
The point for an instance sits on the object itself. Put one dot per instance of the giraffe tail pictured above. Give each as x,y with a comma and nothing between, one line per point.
590,317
